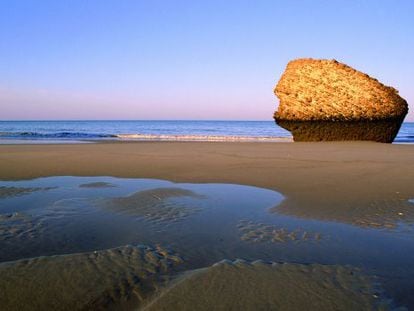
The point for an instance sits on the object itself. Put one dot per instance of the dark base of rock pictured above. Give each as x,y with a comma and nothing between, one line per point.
383,131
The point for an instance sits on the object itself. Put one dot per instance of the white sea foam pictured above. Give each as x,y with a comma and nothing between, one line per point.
212,138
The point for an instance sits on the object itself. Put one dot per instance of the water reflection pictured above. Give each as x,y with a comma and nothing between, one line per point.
392,213
200,223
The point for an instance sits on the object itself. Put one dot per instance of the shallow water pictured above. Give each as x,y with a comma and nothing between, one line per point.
201,223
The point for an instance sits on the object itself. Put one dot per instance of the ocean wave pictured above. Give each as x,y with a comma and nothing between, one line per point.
28,135
137,137
161,137
37,135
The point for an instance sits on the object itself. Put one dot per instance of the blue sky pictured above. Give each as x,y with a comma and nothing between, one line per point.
187,59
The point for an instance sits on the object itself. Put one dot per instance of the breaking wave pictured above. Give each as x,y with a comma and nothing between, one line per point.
160,137
37,135
139,137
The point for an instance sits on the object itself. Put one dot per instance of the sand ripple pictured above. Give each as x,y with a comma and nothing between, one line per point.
118,277
241,285
259,232
19,226
9,192
381,214
99,184
155,205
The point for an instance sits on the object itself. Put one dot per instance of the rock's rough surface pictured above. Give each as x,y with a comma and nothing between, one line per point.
327,100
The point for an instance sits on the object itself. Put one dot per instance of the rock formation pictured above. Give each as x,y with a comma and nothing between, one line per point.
326,100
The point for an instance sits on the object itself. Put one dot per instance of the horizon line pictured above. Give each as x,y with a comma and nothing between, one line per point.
149,120
98,120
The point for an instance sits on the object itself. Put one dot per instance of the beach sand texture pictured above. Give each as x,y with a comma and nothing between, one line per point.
238,285
360,183
154,204
87,281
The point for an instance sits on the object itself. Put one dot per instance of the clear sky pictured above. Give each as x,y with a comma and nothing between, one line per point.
187,59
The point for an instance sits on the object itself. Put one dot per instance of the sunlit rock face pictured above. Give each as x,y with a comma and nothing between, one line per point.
326,100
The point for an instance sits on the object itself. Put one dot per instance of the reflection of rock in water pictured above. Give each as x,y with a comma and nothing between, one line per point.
99,184
9,192
123,276
155,204
259,232
260,286
382,214
19,226
379,130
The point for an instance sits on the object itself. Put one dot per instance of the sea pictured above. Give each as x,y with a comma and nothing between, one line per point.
15,132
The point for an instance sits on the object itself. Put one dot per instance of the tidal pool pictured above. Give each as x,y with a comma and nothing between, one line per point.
114,224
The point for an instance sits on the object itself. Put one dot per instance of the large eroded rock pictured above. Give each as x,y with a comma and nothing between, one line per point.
327,100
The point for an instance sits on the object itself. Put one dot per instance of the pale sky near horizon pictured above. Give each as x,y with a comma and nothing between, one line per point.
187,59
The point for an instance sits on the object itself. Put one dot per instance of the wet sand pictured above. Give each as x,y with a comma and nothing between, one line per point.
259,232
149,278
153,204
309,174
365,184
97,185
9,192
125,275
237,285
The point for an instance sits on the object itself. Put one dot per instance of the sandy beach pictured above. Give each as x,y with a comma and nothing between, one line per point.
366,185
362,183
315,173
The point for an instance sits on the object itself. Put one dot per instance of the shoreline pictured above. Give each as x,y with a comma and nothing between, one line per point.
148,138
290,168
348,182
34,142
